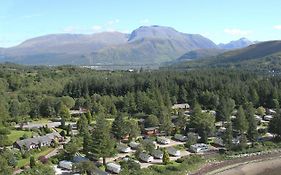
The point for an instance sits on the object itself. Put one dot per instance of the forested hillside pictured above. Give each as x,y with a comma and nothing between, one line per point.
37,91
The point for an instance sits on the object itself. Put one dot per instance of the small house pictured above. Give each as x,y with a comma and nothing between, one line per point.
151,131
158,154
37,142
180,137
113,167
181,106
145,157
163,140
173,151
198,148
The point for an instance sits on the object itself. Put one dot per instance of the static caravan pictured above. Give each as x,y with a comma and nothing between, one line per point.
113,167
198,148
180,137
145,157
134,145
157,154
173,152
65,164
163,140
123,148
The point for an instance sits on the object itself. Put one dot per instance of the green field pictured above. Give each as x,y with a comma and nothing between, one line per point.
24,162
15,135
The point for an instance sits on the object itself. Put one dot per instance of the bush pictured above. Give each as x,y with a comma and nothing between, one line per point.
159,169
173,168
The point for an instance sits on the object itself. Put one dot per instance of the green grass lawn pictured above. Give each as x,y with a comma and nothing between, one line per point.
41,121
15,135
24,162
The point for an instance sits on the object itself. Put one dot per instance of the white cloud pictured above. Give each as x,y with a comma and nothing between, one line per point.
144,21
97,28
237,32
70,29
110,30
112,22
278,27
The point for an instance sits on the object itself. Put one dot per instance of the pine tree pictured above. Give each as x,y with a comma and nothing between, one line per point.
166,124
118,128
166,157
82,125
64,112
241,123
32,162
89,117
252,129
87,143
228,136
103,145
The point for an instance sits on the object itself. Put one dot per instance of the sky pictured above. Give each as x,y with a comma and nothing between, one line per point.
218,20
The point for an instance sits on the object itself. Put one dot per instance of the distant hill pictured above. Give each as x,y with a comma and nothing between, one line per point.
145,45
200,54
238,44
265,55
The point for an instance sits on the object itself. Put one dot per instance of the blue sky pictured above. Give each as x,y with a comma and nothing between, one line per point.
219,20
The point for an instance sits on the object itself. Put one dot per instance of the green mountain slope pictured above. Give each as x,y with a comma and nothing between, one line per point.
145,45
265,55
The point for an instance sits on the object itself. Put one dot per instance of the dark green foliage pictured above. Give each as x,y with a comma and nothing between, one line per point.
119,128
39,169
5,169
275,123
82,125
228,135
3,136
129,167
202,122
85,167
32,162
166,157
241,123
103,145
252,129
151,121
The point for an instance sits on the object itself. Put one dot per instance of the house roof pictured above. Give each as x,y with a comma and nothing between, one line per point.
36,140
181,106
151,128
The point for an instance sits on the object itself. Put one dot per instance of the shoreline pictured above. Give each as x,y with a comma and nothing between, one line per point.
246,165
256,167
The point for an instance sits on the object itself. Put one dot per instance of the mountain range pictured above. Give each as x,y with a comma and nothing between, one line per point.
261,56
145,45
238,44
